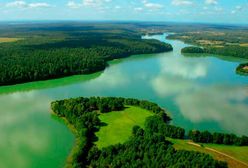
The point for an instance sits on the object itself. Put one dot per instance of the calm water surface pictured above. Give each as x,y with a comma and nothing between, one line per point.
199,92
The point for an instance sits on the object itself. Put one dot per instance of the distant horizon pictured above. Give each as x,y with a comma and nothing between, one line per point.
182,11
124,21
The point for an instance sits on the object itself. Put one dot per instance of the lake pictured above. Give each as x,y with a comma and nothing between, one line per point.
199,92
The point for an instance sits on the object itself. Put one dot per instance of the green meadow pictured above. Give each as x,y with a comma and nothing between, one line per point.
119,125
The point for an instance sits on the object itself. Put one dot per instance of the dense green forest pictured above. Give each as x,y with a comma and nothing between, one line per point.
147,147
56,51
235,51
218,138
193,50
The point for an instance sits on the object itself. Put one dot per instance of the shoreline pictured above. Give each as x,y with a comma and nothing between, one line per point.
87,73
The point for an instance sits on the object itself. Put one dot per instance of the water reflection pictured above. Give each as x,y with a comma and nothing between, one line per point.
178,75
110,79
183,67
24,132
223,104
205,90
201,93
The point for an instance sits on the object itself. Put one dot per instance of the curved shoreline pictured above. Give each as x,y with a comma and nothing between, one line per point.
84,145
154,46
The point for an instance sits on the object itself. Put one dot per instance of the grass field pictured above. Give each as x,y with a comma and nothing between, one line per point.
7,40
236,157
244,45
119,125
240,153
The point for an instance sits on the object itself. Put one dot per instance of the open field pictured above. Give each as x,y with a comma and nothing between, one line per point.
7,40
244,44
235,156
119,125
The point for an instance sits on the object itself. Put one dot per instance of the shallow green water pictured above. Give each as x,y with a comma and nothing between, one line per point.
199,92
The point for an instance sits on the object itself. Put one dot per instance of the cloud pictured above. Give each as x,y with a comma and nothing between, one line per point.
237,9
99,4
211,2
73,5
151,6
95,3
39,5
23,4
218,9
16,4
117,7
138,9
181,2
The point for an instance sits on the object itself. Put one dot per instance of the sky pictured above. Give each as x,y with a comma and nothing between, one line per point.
206,11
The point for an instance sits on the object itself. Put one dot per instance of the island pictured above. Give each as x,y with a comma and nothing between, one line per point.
221,41
127,132
242,69
193,50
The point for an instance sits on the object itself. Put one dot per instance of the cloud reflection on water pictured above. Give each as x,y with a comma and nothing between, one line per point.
221,103
24,125
177,74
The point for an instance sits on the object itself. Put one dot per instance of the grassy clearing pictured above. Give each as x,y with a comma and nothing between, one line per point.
235,156
244,44
119,125
241,153
8,40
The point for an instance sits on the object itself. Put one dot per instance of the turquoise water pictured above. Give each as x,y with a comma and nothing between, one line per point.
199,92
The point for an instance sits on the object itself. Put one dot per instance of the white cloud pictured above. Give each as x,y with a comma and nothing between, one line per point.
117,7
211,2
23,4
218,9
95,3
181,2
16,4
237,9
39,5
99,4
138,9
151,6
73,5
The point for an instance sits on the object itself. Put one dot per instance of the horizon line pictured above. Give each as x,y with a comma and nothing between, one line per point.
124,21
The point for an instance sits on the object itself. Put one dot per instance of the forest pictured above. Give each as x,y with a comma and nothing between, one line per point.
217,138
193,50
234,51
147,147
227,42
56,51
